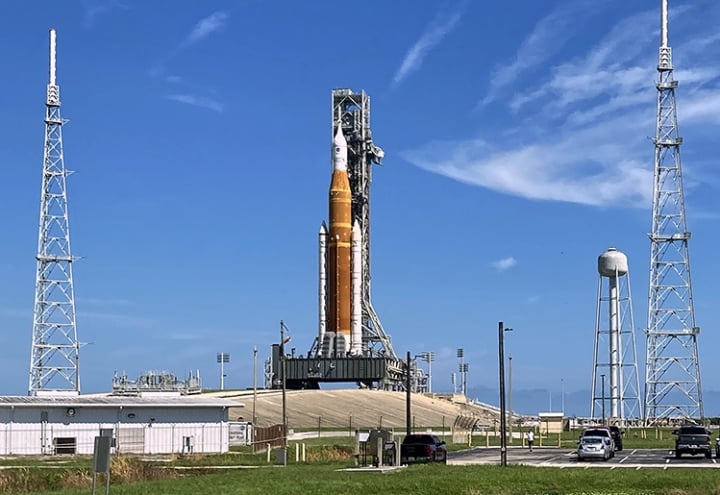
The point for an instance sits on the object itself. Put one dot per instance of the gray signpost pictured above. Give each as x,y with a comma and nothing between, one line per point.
101,461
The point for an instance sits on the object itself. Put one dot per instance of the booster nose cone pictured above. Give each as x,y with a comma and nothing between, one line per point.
339,150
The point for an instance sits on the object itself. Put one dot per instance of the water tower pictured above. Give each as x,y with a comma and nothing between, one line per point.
615,383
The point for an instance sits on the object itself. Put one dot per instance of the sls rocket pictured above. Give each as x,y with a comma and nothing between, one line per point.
340,329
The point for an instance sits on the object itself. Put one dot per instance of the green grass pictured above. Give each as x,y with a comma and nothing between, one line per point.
326,455
325,479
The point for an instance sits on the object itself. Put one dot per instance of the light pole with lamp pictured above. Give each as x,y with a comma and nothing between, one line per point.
501,361
254,386
222,358
283,341
461,355
428,357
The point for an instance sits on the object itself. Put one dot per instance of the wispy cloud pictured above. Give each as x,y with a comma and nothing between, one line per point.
202,29
96,9
198,101
504,264
441,26
547,37
580,131
206,26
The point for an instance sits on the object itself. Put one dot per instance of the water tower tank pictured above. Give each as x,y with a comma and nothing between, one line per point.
611,262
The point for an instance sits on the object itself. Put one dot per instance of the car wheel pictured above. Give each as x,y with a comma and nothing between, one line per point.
677,455
444,459
708,455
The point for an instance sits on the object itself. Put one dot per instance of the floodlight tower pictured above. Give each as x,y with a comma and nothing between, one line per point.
672,378
352,111
615,351
54,356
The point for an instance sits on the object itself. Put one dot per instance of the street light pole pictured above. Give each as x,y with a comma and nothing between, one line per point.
602,386
510,396
501,361
254,385
284,406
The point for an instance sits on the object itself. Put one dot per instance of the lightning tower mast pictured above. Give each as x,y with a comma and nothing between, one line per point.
55,350
672,371
352,111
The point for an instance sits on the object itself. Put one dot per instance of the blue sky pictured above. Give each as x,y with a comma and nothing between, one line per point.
517,149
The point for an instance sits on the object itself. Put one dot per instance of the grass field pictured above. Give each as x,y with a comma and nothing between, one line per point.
326,479
323,473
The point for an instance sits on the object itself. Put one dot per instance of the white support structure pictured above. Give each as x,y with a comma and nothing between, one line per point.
615,351
54,359
672,380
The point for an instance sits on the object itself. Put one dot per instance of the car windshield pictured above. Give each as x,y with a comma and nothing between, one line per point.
693,430
597,433
592,440
418,439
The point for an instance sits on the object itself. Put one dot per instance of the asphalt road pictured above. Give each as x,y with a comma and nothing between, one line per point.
565,458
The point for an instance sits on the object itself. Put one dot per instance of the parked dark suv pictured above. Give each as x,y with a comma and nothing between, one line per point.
617,437
692,439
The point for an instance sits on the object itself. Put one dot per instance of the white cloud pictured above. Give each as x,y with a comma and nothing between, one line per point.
435,33
95,10
504,264
206,26
547,37
197,101
580,132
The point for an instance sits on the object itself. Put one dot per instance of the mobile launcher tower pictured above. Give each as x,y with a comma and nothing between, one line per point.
351,344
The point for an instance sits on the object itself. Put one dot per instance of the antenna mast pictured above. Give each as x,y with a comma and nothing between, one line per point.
55,350
672,382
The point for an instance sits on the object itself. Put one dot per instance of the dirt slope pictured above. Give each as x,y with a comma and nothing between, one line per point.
349,409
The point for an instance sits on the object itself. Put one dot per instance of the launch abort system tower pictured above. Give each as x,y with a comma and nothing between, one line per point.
351,345
55,351
672,380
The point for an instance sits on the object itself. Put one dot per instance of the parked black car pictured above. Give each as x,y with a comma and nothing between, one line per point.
617,437
423,448
692,439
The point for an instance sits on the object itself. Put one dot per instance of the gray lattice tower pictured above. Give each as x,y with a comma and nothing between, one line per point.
673,373
353,111
615,355
54,357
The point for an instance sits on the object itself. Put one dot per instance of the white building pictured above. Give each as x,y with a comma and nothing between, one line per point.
156,424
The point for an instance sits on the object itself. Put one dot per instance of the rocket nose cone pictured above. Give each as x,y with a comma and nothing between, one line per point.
339,139
339,154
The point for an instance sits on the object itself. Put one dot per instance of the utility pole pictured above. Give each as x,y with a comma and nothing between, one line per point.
284,399
254,417
501,361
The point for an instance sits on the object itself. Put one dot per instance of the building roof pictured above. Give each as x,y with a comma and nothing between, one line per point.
115,401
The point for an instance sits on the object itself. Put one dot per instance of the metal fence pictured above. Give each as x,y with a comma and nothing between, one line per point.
51,438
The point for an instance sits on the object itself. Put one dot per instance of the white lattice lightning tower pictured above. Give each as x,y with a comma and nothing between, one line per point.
54,356
672,378
615,356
